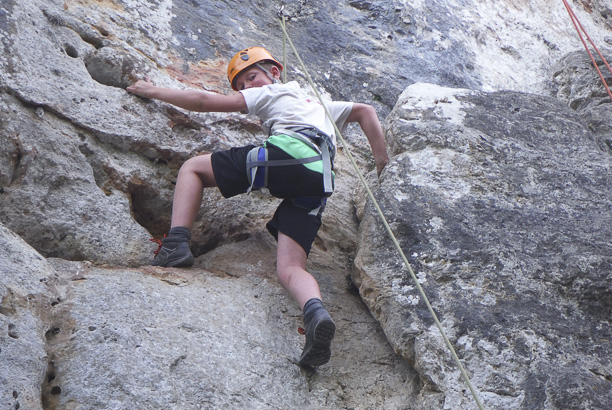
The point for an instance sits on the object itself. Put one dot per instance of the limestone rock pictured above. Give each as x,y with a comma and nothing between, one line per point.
578,85
119,154
27,293
501,202
187,338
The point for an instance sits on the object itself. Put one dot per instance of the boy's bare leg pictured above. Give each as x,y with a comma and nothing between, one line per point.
291,269
320,328
195,175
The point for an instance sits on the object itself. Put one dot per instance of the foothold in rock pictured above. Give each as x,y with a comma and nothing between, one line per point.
56,390
12,331
71,51
52,332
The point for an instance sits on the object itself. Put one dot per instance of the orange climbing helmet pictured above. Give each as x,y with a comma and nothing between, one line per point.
245,59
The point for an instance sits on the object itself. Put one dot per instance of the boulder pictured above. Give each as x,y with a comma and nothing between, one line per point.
501,202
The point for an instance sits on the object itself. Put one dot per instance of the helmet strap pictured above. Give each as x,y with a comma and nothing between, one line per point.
274,80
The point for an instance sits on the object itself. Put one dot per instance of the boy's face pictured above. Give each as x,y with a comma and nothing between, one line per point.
255,77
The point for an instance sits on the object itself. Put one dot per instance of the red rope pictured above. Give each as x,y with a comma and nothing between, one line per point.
577,24
159,242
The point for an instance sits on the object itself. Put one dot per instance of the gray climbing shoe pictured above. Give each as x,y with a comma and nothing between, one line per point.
173,254
320,330
173,251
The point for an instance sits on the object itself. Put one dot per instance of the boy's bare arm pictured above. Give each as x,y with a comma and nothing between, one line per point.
190,99
367,118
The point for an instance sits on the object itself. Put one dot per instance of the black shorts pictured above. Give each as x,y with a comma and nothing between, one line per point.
299,219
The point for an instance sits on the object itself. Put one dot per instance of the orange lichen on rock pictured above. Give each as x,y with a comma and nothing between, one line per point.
110,4
207,75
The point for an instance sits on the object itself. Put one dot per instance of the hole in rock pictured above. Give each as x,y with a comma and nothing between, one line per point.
12,331
52,332
150,210
49,394
71,51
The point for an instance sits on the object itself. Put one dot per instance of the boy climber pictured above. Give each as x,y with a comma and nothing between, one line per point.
294,164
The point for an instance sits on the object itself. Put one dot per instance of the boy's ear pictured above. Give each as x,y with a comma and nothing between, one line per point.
275,72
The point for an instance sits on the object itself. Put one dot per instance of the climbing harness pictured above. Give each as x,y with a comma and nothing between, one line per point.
382,216
307,145
580,28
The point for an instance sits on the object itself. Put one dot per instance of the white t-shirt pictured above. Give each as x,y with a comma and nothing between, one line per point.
287,105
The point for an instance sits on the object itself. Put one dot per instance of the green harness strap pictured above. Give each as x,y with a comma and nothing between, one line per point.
256,158
324,151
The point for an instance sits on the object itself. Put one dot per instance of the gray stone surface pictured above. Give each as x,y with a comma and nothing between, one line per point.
579,85
27,292
501,201
122,152
187,338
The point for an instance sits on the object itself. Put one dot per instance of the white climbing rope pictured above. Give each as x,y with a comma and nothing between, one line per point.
382,216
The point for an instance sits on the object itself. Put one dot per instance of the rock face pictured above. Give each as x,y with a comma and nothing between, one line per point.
498,191
501,201
78,336
579,86
27,290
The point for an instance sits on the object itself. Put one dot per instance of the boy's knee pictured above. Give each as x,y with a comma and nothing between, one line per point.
202,167
282,272
195,163
286,273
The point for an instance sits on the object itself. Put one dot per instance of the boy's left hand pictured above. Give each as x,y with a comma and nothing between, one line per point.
142,88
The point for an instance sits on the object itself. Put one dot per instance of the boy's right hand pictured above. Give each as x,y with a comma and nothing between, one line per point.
380,165
143,88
